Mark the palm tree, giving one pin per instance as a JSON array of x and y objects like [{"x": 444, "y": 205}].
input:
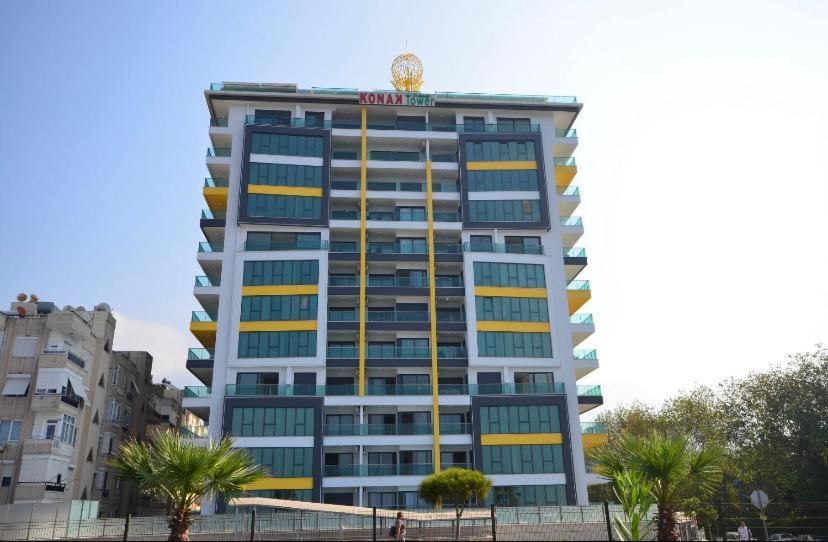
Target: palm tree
[
  {"x": 172, "y": 469},
  {"x": 671, "y": 464}
]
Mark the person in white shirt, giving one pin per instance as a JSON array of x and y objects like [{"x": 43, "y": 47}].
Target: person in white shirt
[{"x": 744, "y": 532}]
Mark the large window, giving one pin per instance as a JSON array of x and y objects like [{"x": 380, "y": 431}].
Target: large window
[
  {"x": 286, "y": 145},
  {"x": 278, "y": 273},
  {"x": 512, "y": 275},
  {"x": 277, "y": 344},
  {"x": 272, "y": 422},
  {"x": 499, "y": 150},
  {"x": 512, "y": 309},
  {"x": 504, "y": 210},
  {"x": 68, "y": 430},
  {"x": 513, "y": 345},
  {"x": 285, "y": 175},
  {"x": 523, "y": 459},
  {"x": 284, "y": 462},
  {"x": 278, "y": 307},
  {"x": 272, "y": 206},
  {"x": 554, "y": 495},
  {"x": 522, "y": 419},
  {"x": 509, "y": 179},
  {"x": 10, "y": 430}
]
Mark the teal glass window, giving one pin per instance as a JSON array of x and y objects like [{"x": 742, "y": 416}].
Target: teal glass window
[
  {"x": 278, "y": 273},
  {"x": 395, "y": 156},
  {"x": 286, "y": 145},
  {"x": 287, "y": 494},
  {"x": 277, "y": 344},
  {"x": 504, "y": 210},
  {"x": 552, "y": 495},
  {"x": 510, "y": 180},
  {"x": 285, "y": 175},
  {"x": 260, "y": 308},
  {"x": 272, "y": 422},
  {"x": 513, "y": 345},
  {"x": 274, "y": 206},
  {"x": 511, "y": 275},
  {"x": 520, "y": 419},
  {"x": 284, "y": 462},
  {"x": 488, "y": 151},
  {"x": 523, "y": 459},
  {"x": 511, "y": 309}
]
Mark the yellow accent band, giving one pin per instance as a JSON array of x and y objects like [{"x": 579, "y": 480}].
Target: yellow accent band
[
  {"x": 289, "y": 289},
  {"x": 279, "y": 325},
  {"x": 204, "y": 326},
  {"x": 432, "y": 305},
  {"x": 564, "y": 175},
  {"x": 363, "y": 242},
  {"x": 508, "y": 439},
  {"x": 502, "y": 291},
  {"x": 593, "y": 440},
  {"x": 518, "y": 327},
  {"x": 284, "y": 190},
  {"x": 216, "y": 197},
  {"x": 205, "y": 332},
  {"x": 281, "y": 483},
  {"x": 576, "y": 299},
  {"x": 501, "y": 164}
]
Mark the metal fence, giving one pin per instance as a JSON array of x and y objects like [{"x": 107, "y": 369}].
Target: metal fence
[
  {"x": 504, "y": 523},
  {"x": 807, "y": 521}
]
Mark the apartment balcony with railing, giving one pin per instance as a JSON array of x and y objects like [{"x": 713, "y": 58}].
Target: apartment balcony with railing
[
  {"x": 399, "y": 187},
  {"x": 577, "y": 294},
  {"x": 581, "y": 325},
  {"x": 589, "y": 396}
]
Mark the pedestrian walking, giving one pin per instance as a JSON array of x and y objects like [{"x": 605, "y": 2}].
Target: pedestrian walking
[{"x": 744, "y": 532}]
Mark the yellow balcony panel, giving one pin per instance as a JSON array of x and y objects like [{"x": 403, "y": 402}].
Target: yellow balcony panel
[
  {"x": 508, "y": 439},
  {"x": 284, "y": 190},
  {"x": 289, "y": 289},
  {"x": 501, "y": 164},
  {"x": 564, "y": 175},
  {"x": 282, "y": 325},
  {"x": 501, "y": 291},
  {"x": 593, "y": 440},
  {"x": 576, "y": 299},
  {"x": 205, "y": 332},
  {"x": 216, "y": 197},
  {"x": 281, "y": 483},
  {"x": 518, "y": 327}
]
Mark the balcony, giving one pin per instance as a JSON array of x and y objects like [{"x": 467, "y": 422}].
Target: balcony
[
  {"x": 200, "y": 363},
  {"x": 207, "y": 247},
  {"x": 52, "y": 402},
  {"x": 194, "y": 431},
  {"x": 218, "y": 152},
  {"x": 582, "y": 326},
  {"x": 207, "y": 293},
  {"x": 577, "y": 294},
  {"x": 215, "y": 193},
  {"x": 594, "y": 434},
  {"x": 569, "y": 197},
  {"x": 416, "y": 187},
  {"x": 197, "y": 391},
  {"x": 585, "y": 354},
  {"x": 390, "y": 251},
  {"x": 497, "y": 248},
  {"x": 203, "y": 326},
  {"x": 565, "y": 170},
  {"x": 69, "y": 323},
  {"x": 286, "y": 245},
  {"x": 273, "y": 390},
  {"x": 393, "y": 216},
  {"x": 575, "y": 260},
  {"x": 378, "y": 429},
  {"x": 589, "y": 397},
  {"x": 405, "y": 469},
  {"x": 202, "y": 281},
  {"x": 62, "y": 358},
  {"x": 42, "y": 445},
  {"x": 220, "y": 122}
]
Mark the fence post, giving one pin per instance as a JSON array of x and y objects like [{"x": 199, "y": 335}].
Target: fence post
[
  {"x": 252, "y": 525},
  {"x": 494, "y": 524},
  {"x": 374, "y": 531},
  {"x": 607, "y": 518},
  {"x": 126, "y": 527}
]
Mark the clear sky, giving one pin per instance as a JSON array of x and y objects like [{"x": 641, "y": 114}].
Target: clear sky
[{"x": 701, "y": 159}]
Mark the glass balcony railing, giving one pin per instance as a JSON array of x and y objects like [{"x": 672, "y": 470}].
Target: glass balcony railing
[
  {"x": 212, "y": 182},
  {"x": 268, "y": 120},
  {"x": 445, "y": 466},
  {"x": 401, "y": 282},
  {"x": 218, "y": 121},
  {"x": 578, "y": 285},
  {"x": 499, "y": 248},
  {"x": 589, "y": 390},
  {"x": 404, "y": 469},
  {"x": 206, "y": 246},
  {"x": 202, "y": 281},
  {"x": 76, "y": 360},
  {"x": 571, "y": 190},
  {"x": 194, "y": 431},
  {"x": 398, "y": 389},
  {"x": 563, "y": 132},
  {"x": 197, "y": 391},
  {"x": 445, "y": 158},
  {"x": 584, "y": 318},
  {"x": 396, "y": 316},
  {"x": 378, "y": 429},
  {"x": 593, "y": 428},
  {"x": 376, "y": 247},
  {"x": 450, "y": 428},
  {"x": 351, "y": 280},
  {"x": 344, "y": 246},
  {"x": 585, "y": 354},
  {"x": 574, "y": 252},
  {"x": 571, "y": 221},
  {"x": 201, "y": 316},
  {"x": 345, "y": 215},
  {"x": 269, "y": 390},
  {"x": 200, "y": 353},
  {"x": 343, "y": 316},
  {"x": 447, "y": 217},
  {"x": 449, "y": 282},
  {"x": 391, "y": 352},
  {"x": 395, "y": 186},
  {"x": 507, "y": 388},
  {"x": 317, "y": 244},
  {"x": 207, "y": 214},
  {"x": 564, "y": 160},
  {"x": 221, "y": 152}
]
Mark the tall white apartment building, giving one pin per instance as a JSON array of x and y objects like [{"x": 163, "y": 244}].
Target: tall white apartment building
[{"x": 392, "y": 287}]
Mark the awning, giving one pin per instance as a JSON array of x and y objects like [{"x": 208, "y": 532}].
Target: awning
[
  {"x": 78, "y": 386},
  {"x": 16, "y": 384},
  {"x": 51, "y": 380}
]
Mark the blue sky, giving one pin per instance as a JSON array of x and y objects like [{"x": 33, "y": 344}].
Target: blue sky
[{"x": 701, "y": 157}]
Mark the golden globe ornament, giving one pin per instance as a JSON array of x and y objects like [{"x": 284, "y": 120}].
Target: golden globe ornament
[{"x": 407, "y": 73}]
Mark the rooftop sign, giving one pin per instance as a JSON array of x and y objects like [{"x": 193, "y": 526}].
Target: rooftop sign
[{"x": 396, "y": 98}]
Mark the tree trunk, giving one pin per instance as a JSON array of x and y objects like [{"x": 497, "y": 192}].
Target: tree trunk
[
  {"x": 179, "y": 523},
  {"x": 667, "y": 523},
  {"x": 458, "y": 513}
]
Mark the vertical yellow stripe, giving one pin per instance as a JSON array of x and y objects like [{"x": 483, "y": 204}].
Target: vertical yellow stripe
[
  {"x": 363, "y": 242},
  {"x": 432, "y": 304}
]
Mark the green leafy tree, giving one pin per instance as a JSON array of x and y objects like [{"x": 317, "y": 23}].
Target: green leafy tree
[
  {"x": 634, "y": 493},
  {"x": 455, "y": 486},
  {"x": 671, "y": 464},
  {"x": 172, "y": 469}
]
